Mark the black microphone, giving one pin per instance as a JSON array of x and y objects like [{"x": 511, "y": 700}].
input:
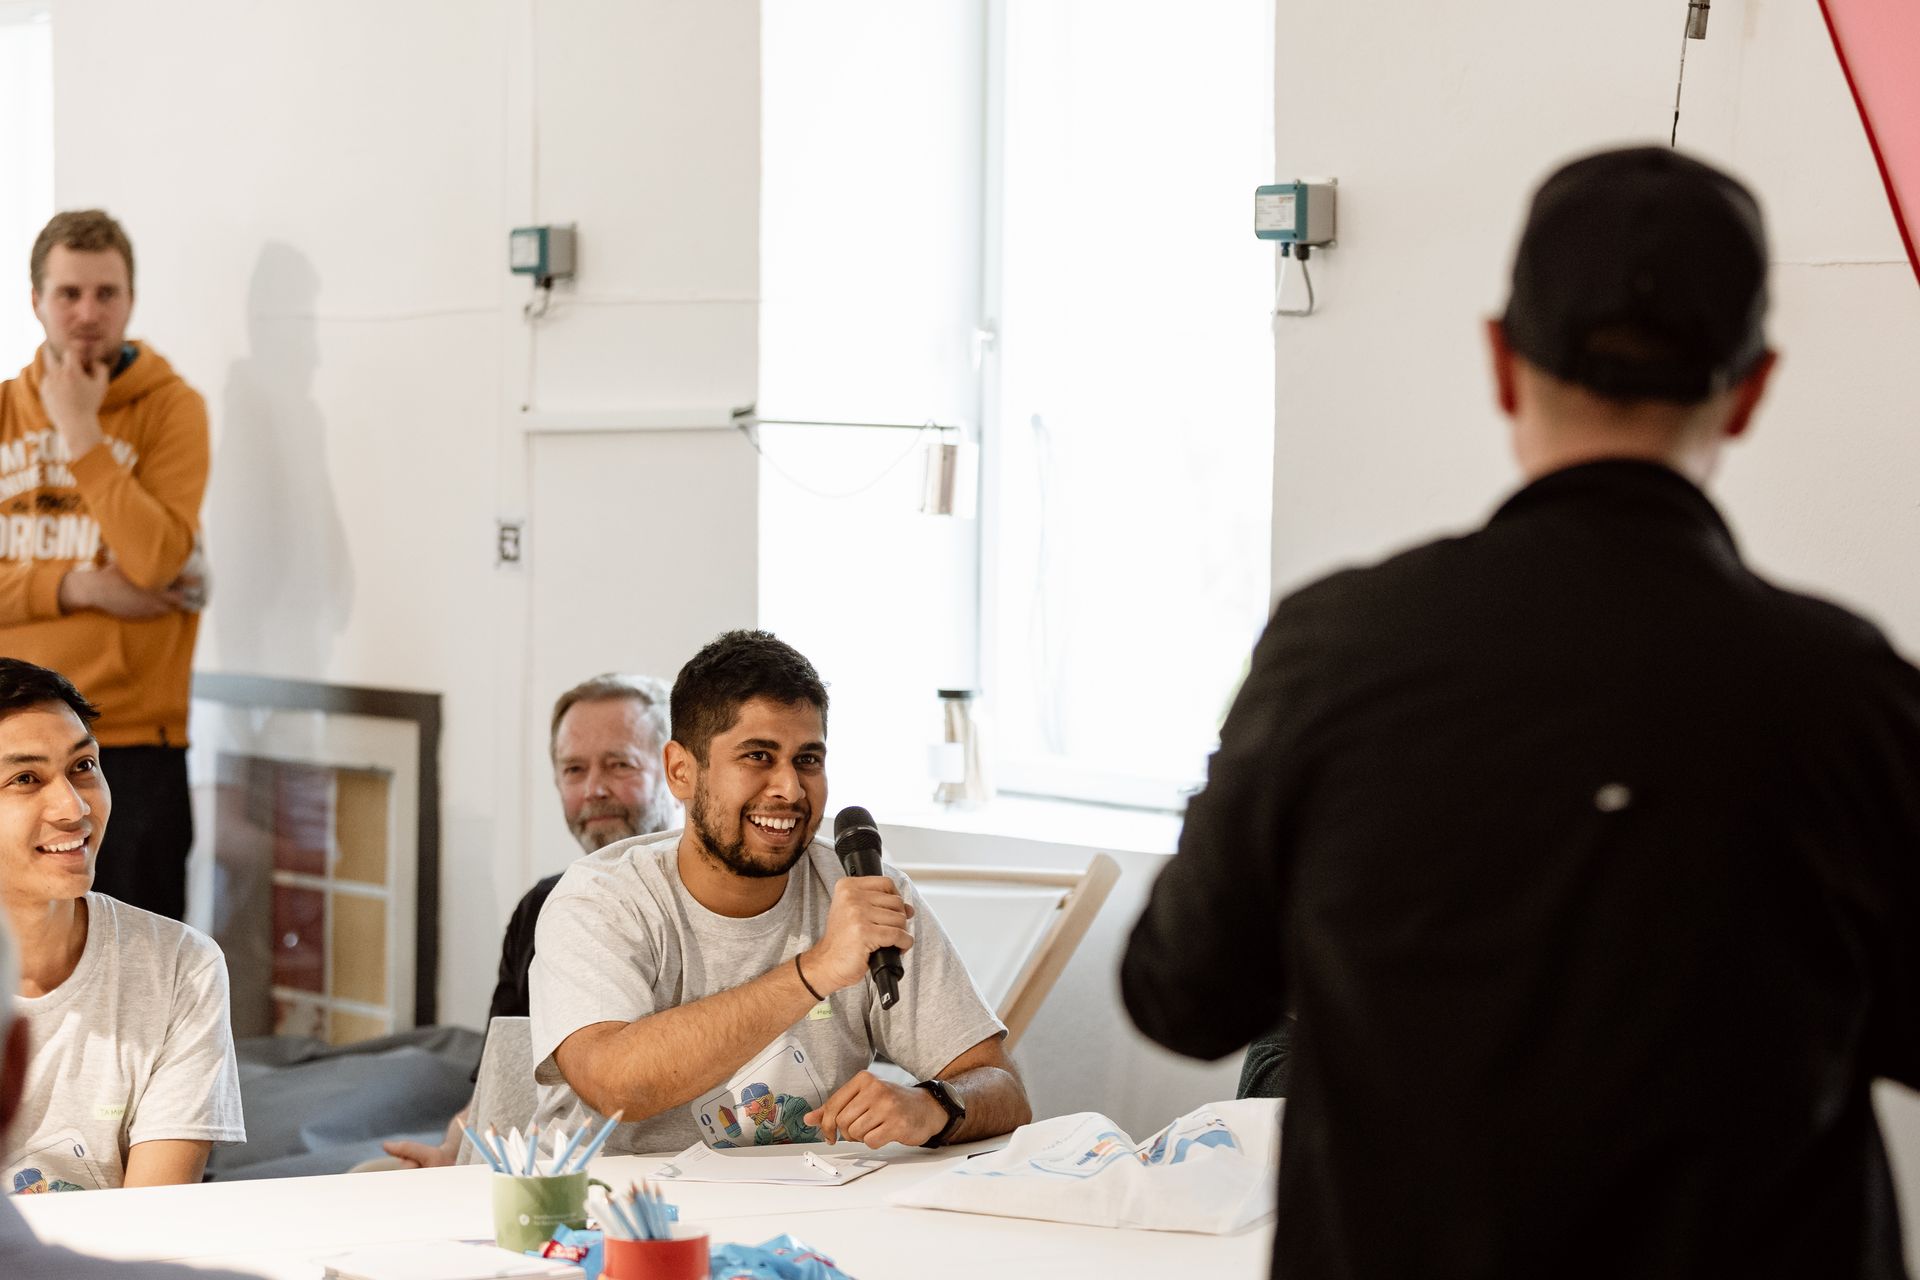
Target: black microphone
[{"x": 856, "y": 840}]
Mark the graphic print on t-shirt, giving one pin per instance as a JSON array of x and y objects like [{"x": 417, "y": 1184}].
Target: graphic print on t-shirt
[
  {"x": 764, "y": 1103},
  {"x": 54, "y": 1166}
]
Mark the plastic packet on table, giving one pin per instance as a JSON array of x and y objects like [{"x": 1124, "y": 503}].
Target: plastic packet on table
[
  {"x": 781, "y": 1258},
  {"x": 584, "y": 1249}
]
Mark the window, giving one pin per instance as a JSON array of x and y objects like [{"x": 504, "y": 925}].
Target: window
[
  {"x": 1132, "y": 426},
  {"x": 26, "y": 158},
  {"x": 1032, "y": 222},
  {"x": 870, "y": 278}
]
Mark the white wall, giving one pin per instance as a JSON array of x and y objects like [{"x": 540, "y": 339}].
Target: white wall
[
  {"x": 643, "y": 544},
  {"x": 319, "y": 195},
  {"x": 1438, "y": 131},
  {"x": 1386, "y": 431}
]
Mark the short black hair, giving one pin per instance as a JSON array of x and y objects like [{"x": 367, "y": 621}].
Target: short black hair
[
  {"x": 731, "y": 670},
  {"x": 23, "y": 685}
]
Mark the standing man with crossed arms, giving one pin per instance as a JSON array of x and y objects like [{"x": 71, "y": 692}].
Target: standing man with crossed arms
[{"x": 103, "y": 462}]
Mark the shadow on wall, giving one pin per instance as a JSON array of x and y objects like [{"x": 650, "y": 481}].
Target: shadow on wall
[{"x": 284, "y": 582}]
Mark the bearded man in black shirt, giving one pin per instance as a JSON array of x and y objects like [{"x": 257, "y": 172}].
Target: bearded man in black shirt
[{"x": 1585, "y": 857}]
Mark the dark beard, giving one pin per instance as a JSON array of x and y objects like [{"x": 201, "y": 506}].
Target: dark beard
[{"x": 732, "y": 856}]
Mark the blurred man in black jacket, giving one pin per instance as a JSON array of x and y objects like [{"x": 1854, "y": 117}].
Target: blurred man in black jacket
[{"x": 1585, "y": 857}]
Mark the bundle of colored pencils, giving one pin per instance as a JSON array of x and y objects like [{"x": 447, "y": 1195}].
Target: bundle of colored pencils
[
  {"x": 521, "y": 1156},
  {"x": 640, "y": 1213}
]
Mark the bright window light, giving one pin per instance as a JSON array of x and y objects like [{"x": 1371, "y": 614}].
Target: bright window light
[
  {"x": 26, "y": 158},
  {"x": 1032, "y": 221},
  {"x": 870, "y": 234},
  {"x": 1131, "y": 486}
]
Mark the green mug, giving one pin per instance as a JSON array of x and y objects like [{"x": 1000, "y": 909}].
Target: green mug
[{"x": 526, "y": 1209}]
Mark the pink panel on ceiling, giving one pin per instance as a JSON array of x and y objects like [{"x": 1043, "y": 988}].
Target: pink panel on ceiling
[{"x": 1879, "y": 46}]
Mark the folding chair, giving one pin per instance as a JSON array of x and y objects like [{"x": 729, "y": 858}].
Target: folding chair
[
  {"x": 1016, "y": 927},
  {"x": 504, "y": 1095}
]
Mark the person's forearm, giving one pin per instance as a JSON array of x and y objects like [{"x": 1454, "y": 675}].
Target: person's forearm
[
  {"x": 150, "y": 530},
  {"x": 995, "y": 1100},
  {"x": 148, "y": 521},
  {"x": 668, "y": 1059},
  {"x": 1202, "y": 971},
  {"x": 166, "y": 1162},
  {"x": 29, "y": 591},
  {"x": 1200, "y": 975}
]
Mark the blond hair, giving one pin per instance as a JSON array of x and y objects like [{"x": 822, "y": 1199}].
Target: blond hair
[
  {"x": 650, "y": 693},
  {"x": 83, "y": 231}
]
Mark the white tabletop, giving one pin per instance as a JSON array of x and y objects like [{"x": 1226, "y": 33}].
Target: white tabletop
[{"x": 276, "y": 1228}]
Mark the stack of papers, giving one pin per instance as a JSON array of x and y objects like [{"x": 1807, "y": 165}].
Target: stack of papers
[
  {"x": 442, "y": 1260},
  {"x": 787, "y": 1165}
]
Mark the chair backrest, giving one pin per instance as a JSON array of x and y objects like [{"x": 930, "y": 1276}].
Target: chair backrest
[
  {"x": 1016, "y": 927},
  {"x": 503, "y": 1095}
]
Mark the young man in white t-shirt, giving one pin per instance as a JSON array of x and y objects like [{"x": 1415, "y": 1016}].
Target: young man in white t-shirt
[
  {"x": 21, "y": 1254},
  {"x": 712, "y": 982},
  {"x": 130, "y": 1077}
]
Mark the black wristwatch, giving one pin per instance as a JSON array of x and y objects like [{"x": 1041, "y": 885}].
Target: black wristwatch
[{"x": 949, "y": 1103}]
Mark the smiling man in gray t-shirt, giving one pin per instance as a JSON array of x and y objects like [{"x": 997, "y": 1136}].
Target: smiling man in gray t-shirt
[{"x": 712, "y": 983}]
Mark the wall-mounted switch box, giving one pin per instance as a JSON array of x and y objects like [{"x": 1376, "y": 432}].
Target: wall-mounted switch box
[
  {"x": 545, "y": 253},
  {"x": 508, "y": 540},
  {"x": 1294, "y": 212}
]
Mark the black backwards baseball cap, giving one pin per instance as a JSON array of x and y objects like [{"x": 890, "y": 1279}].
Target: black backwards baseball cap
[{"x": 1641, "y": 275}]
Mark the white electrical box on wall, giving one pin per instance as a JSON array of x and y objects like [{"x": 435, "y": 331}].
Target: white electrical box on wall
[
  {"x": 1297, "y": 212},
  {"x": 545, "y": 253}
]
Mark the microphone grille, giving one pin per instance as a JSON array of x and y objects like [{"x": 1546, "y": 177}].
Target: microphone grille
[{"x": 852, "y": 818}]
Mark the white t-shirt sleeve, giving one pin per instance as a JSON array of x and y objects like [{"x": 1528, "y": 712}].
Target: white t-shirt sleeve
[
  {"x": 193, "y": 1091},
  {"x": 589, "y": 966}
]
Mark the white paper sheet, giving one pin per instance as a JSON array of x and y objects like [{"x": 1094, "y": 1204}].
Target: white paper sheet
[
  {"x": 794, "y": 1165},
  {"x": 440, "y": 1260}
]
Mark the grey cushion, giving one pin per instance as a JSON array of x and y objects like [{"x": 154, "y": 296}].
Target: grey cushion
[{"x": 315, "y": 1108}]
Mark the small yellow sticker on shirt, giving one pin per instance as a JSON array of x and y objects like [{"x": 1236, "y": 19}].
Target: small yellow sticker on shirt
[{"x": 820, "y": 1012}]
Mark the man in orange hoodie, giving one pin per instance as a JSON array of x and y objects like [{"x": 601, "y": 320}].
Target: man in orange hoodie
[{"x": 103, "y": 461}]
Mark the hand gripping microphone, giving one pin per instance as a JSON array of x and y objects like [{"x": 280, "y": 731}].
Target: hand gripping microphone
[{"x": 856, "y": 840}]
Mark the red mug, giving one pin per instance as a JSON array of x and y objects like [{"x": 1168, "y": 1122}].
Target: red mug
[{"x": 684, "y": 1257}]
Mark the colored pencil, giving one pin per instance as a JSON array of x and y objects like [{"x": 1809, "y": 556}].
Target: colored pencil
[
  {"x": 560, "y": 1160},
  {"x": 486, "y": 1153},
  {"x": 593, "y": 1148}
]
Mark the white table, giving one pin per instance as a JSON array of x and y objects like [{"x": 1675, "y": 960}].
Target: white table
[{"x": 276, "y": 1228}]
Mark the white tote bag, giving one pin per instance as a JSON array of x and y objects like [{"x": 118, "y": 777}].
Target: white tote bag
[{"x": 1212, "y": 1170}]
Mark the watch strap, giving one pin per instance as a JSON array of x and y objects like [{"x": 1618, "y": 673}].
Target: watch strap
[{"x": 956, "y": 1113}]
